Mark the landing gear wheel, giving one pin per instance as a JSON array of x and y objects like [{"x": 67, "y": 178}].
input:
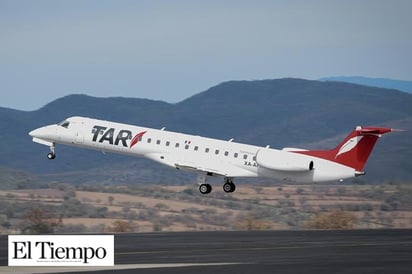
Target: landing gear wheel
[
  {"x": 205, "y": 188},
  {"x": 51, "y": 156},
  {"x": 229, "y": 187}
]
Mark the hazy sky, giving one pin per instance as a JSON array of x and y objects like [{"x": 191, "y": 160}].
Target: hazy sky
[{"x": 170, "y": 50}]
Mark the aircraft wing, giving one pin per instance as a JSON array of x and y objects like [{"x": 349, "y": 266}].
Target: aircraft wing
[
  {"x": 222, "y": 169},
  {"x": 217, "y": 168},
  {"x": 189, "y": 167}
]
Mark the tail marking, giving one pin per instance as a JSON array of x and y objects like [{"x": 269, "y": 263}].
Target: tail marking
[
  {"x": 354, "y": 150},
  {"x": 349, "y": 145}
]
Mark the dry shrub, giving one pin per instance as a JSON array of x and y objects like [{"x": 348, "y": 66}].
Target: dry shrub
[
  {"x": 250, "y": 222},
  {"x": 337, "y": 219},
  {"x": 120, "y": 226}
]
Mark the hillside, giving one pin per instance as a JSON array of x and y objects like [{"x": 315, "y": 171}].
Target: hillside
[
  {"x": 181, "y": 208},
  {"x": 282, "y": 112},
  {"x": 405, "y": 86}
]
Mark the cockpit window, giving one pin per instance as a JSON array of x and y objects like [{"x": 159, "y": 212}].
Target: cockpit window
[{"x": 64, "y": 124}]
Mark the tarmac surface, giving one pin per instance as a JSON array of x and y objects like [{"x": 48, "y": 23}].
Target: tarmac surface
[{"x": 350, "y": 251}]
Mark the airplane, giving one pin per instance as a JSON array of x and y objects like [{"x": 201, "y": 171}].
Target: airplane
[{"x": 213, "y": 157}]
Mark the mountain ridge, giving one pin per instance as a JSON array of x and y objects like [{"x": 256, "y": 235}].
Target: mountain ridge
[
  {"x": 402, "y": 85},
  {"x": 279, "y": 112}
]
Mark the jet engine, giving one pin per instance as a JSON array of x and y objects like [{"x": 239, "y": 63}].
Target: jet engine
[{"x": 284, "y": 160}]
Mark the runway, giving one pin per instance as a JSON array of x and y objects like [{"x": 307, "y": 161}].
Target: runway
[{"x": 352, "y": 251}]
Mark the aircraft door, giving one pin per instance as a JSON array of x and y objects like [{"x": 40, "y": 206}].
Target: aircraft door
[{"x": 79, "y": 136}]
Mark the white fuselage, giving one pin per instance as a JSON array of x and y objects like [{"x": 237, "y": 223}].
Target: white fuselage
[{"x": 201, "y": 154}]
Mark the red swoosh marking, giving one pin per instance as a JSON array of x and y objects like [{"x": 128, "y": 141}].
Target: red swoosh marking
[{"x": 136, "y": 138}]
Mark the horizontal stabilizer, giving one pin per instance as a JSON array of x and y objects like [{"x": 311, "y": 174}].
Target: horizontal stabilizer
[{"x": 372, "y": 130}]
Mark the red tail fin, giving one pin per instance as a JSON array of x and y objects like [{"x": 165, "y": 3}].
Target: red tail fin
[{"x": 354, "y": 150}]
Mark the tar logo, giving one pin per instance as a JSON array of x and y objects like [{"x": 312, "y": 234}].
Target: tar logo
[{"x": 122, "y": 136}]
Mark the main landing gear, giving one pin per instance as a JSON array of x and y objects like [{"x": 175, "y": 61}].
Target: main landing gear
[
  {"x": 229, "y": 186},
  {"x": 51, "y": 155},
  {"x": 206, "y": 188}
]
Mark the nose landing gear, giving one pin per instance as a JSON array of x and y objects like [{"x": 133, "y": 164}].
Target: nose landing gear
[{"x": 51, "y": 155}]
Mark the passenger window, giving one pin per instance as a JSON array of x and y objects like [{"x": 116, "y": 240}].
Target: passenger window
[
  {"x": 245, "y": 156},
  {"x": 216, "y": 151},
  {"x": 226, "y": 153},
  {"x": 186, "y": 146},
  {"x": 177, "y": 145},
  {"x": 167, "y": 143},
  {"x": 158, "y": 142},
  {"x": 207, "y": 150},
  {"x": 196, "y": 148},
  {"x": 149, "y": 140},
  {"x": 235, "y": 155}
]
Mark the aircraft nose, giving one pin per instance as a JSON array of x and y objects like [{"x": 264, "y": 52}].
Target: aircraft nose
[
  {"x": 40, "y": 132},
  {"x": 34, "y": 132}
]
